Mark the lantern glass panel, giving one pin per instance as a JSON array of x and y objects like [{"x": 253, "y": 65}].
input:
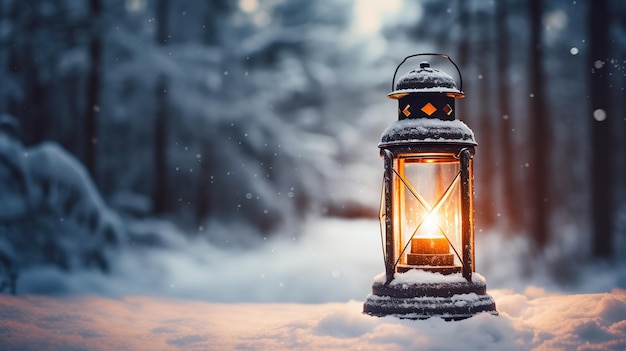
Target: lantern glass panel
[{"x": 428, "y": 193}]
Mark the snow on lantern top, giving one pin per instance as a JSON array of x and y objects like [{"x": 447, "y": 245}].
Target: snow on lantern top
[
  {"x": 426, "y": 93},
  {"x": 426, "y": 80},
  {"x": 423, "y": 131},
  {"x": 426, "y": 111}
]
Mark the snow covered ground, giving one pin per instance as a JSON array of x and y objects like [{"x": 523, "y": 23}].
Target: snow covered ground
[
  {"x": 533, "y": 320},
  {"x": 330, "y": 260},
  {"x": 303, "y": 291}
]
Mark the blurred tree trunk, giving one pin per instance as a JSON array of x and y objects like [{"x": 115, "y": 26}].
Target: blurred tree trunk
[
  {"x": 211, "y": 37},
  {"x": 12, "y": 69},
  {"x": 93, "y": 91},
  {"x": 484, "y": 196},
  {"x": 539, "y": 130},
  {"x": 511, "y": 209},
  {"x": 160, "y": 192},
  {"x": 463, "y": 49},
  {"x": 5, "y": 61},
  {"x": 601, "y": 138},
  {"x": 204, "y": 205},
  {"x": 31, "y": 109},
  {"x": 26, "y": 105}
]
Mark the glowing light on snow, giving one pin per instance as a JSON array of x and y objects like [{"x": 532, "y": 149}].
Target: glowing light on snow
[
  {"x": 554, "y": 23},
  {"x": 555, "y": 20},
  {"x": 135, "y": 5},
  {"x": 573, "y": 51},
  {"x": 599, "y": 115},
  {"x": 248, "y": 6},
  {"x": 88, "y": 323},
  {"x": 368, "y": 15},
  {"x": 258, "y": 14}
]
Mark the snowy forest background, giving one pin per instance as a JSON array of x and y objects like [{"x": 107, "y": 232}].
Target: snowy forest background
[{"x": 220, "y": 128}]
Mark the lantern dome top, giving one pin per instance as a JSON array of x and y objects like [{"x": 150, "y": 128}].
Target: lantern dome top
[{"x": 426, "y": 80}]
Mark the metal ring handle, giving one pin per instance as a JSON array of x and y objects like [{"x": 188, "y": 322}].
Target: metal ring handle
[{"x": 393, "y": 80}]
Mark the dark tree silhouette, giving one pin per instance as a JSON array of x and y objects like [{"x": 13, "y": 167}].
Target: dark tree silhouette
[
  {"x": 539, "y": 129},
  {"x": 485, "y": 131},
  {"x": 160, "y": 191},
  {"x": 463, "y": 47},
  {"x": 601, "y": 135},
  {"x": 507, "y": 159},
  {"x": 205, "y": 190},
  {"x": 92, "y": 107}
]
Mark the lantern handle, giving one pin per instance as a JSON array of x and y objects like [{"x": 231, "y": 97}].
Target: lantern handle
[{"x": 393, "y": 80}]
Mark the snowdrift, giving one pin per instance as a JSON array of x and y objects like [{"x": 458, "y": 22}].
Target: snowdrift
[
  {"x": 50, "y": 211},
  {"x": 533, "y": 320}
]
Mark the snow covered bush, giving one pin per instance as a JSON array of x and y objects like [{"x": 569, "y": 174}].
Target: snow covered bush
[{"x": 50, "y": 210}]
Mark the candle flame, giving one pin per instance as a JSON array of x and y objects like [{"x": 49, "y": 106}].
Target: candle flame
[{"x": 430, "y": 227}]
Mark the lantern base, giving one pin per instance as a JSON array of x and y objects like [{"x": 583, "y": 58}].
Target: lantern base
[
  {"x": 435, "y": 269},
  {"x": 453, "y": 300}
]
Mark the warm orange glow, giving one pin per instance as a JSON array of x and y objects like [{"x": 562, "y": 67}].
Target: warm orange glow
[
  {"x": 428, "y": 205},
  {"x": 430, "y": 227},
  {"x": 150, "y": 323}
]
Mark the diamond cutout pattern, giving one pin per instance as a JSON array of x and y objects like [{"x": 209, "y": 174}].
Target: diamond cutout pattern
[
  {"x": 407, "y": 111},
  {"x": 429, "y": 109},
  {"x": 447, "y": 109}
]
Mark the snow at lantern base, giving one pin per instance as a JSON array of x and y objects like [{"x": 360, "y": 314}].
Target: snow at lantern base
[{"x": 533, "y": 319}]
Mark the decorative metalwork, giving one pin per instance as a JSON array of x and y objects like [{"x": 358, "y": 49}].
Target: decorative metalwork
[
  {"x": 429, "y": 109},
  {"x": 406, "y": 110}
]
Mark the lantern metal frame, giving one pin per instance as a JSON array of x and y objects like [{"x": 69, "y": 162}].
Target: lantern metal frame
[
  {"x": 426, "y": 136},
  {"x": 392, "y": 259}
]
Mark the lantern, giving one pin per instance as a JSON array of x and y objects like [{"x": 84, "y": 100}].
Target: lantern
[{"x": 426, "y": 213}]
